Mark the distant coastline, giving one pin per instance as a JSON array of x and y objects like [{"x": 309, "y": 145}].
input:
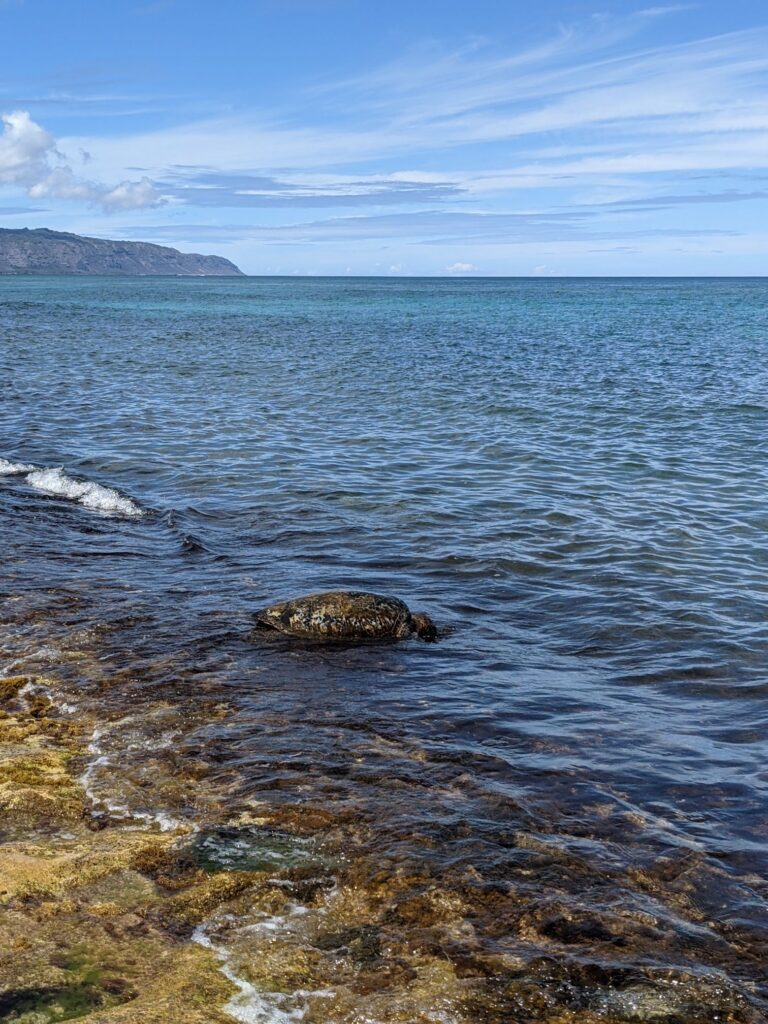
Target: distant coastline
[{"x": 43, "y": 251}]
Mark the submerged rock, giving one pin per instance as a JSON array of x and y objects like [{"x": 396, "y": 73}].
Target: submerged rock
[
  {"x": 346, "y": 615},
  {"x": 250, "y": 848}
]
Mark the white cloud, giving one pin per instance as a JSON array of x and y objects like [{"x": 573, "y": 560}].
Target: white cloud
[
  {"x": 61, "y": 183},
  {"x": 131, "y": 195},
  {"x": 461, "y": 268},
  {"x": 30, "y": 159},
  {"x": 25, "y": 148}
]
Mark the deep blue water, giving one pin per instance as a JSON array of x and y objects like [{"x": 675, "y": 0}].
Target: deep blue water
[{"x": 570, "y": 476}]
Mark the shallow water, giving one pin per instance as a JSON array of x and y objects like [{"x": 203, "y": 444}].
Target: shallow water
[{"x": 569, "y": 476}]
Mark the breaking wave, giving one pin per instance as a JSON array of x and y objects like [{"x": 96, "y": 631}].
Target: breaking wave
[
  {"x": 54, "y": 481},
  {"x": 14, "y": 468}
]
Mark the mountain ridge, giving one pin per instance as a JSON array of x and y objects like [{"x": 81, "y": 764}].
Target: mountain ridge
[{"x": 45, "y": 251}]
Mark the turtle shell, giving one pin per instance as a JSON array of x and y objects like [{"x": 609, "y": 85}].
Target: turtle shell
[{"x": 340, "y": 615}]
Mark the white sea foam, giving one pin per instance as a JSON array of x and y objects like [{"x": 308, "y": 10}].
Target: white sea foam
[
  {"x": 19, "y": 666},
  {"x": 249, "y": 1005},
  {"x": 61, "y": 705},
  {"x": 165, "y": 822},
  {"x": 272, "y": 923},
  {"x": 97, "y": 497},
  {"x": 86, "y": 493},
  {"x": 14, "y": 468},
  {"x": 99, "y": 759}
]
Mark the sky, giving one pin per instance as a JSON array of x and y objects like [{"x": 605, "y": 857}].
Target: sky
[{"x": 428, "y": 137}]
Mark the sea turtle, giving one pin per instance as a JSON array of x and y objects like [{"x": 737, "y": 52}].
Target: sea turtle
[{"x": 346, "y": 615}]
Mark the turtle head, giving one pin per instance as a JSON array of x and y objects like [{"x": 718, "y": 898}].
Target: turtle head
[
  {"x": 424, "y": 626},
  {"x": 268, "y": 618}
]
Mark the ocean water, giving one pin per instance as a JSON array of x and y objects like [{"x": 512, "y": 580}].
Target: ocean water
[{"x": 569, "y": 476}]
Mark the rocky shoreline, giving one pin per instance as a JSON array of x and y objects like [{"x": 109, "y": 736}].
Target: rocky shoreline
[
  {"x": 87, "y": 925},
  {"x": 113, "y": 920},
  {"x": 139, "y": 886}
]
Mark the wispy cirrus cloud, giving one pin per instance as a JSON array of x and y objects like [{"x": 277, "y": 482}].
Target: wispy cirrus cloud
[
  {"x": 575, "y": 81},
  {"x": 209, "y": 188},
  {"x": 662, "y": 11},
  {"x": 699, "y": 105},
  {"x": 431, "y": 228},
  {"x": 20, "y": 211},
  {"x": 663, "y": 202}
]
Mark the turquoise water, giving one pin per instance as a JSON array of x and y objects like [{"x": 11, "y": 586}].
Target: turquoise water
[{"x": 570, "y": 476}]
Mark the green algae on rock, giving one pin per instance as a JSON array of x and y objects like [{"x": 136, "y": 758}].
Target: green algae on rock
[{"x": 76, "y": 939}]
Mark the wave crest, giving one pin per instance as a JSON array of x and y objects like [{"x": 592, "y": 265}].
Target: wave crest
[
  {"x": 90, "y": 495},
  {"x": 14, "y": 468}
]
